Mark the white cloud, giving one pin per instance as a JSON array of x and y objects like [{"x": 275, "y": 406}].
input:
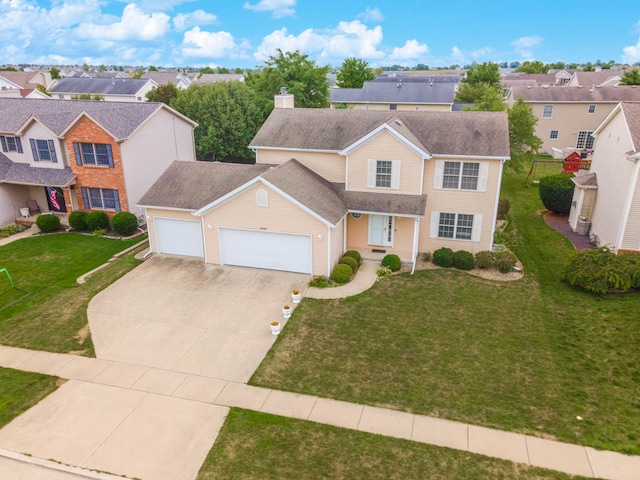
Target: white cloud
[
  {"x": 348, "y": 39},
  {"x": 197, "y": 43},
  {"x": 184, "y": 21},
  {"x": 134, "y": 25},
  {"x": 278, "y": 8},
  {"x": 631, "y": 53},
  {"x": 371, "y": 15},
  {"x": 457, "y": 56},
  {"x": 636, "y": 27},
  {"x": 412, "y": 50},
  {"x": 524, "y": 46}
]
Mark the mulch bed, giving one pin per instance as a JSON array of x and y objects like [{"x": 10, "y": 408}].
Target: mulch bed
[{"x": 560, "y": 223}]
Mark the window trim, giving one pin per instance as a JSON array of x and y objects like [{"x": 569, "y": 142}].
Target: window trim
[
  {"x": 262, "y": 198},
  {"x": 587, "y": 142},
  {"x": 552, "y": 137},
  {"x": 80, "y": 161},
  {"x": 393, "y": 106},
  {"x": 481, "y": 182},
  {"x": 475, "y": 228},
  {"x": 544, "y": 111},
  {"x": 4, "y": 139},
  {"x": 372, "y": 174},
  {"x": 591, "y": 110},
  {"x": 35, "y": 150},
  {"x": 86, "y": 198}
]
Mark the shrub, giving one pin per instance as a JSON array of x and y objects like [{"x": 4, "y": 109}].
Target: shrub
[
  {"x": 355, "y": 254},
  {"x": 505, "y": 261},
  {"x": 97, "y": 221},
  {"x": 383, "y": 271},
  {"x": 99, "y": 232},
  {"x": 124, "y": 223},
  {"x": 503, "y": 208},
  {"x": 321, "y": 282},
  {"x": 392, "y": 261},
  {"x": 484, "y": 259},
  {"x": 463, "y": 260},
  {"x": 426, "y": 257},
  {"x": 352, "y": 262},
  {"x": 341, "y": 273},
  {"x": 48, "y": 223},
  {"x": 599, "y": 270},
  {"x": 11, "y": 230},
  {"x": 443, "y": 257},
  {"x": 556, "y": 192},
  {"x": 78, "y": 220}
]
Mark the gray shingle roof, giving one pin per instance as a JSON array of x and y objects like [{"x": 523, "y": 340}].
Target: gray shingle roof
[
  {"x": 577, "y": 94},
  {"x": 23, "y": 173},
  {"x": 420, "y": 78},
  {"x": 382, "y": 202},
  {"x": 390, "y": 92},
  {"x": 119, "y": 118},
  {"x": 596, "y": 78},
  {"x": 162, "y": 78},
  {"x": 441, "y": 133},
  {"x": 632, "y": 114},
  {"x": 100, "y": 86},
  {"x": 585, "y": 180}
]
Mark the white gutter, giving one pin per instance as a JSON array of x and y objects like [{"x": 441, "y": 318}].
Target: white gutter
[
  {"x": 495, "y": 209},
  {"x": 627, "y": 206}
]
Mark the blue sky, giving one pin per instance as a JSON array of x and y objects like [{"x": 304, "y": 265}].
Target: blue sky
[{"x": 244, "y": 33}]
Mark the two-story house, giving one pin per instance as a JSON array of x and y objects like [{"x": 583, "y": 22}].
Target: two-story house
[
  {"x": 567, "y": 116},
  {"x": 326, "y": 181},
  {"x": 608, "y": 197},
  {"x": 106, "y": 88},
  {"x": 94, "y": 155}
]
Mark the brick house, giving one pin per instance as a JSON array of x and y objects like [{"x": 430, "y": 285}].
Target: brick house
[{"x": 93, "y": 155}]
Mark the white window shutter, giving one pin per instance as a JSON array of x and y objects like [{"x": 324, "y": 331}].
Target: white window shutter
[
  {"x": 434, "y": 225},
  {"x": 477, "y": 227},
  {"x": 371, "y": 176},
  {"x": 395, "y": 174},
  {"x": 483, "y": 175},
  {"x": 438, "y": 174}
]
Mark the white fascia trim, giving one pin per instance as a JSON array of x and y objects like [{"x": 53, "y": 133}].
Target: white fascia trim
[
  {"x": 627, "y": 206},
  {"x": 374, "y": 133},
  {"x": 224, "y": 198},
  {"x": 608, "y": 118},
  {"x": 386, "y": 214},
  {"x": 157, "y": 207},
  {"x": 255, "y": 148},
  {"x": 475, "y": 157}
]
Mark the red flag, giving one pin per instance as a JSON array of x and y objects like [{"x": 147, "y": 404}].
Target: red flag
[{"x": 52, "y": 198}]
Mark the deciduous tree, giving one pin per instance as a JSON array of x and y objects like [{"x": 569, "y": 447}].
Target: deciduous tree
[
  {"x": 522, "y": 139},
  {"x": 353, "y": 73},
  {"x": 631, "y": 77},
  {"x": 164, "y": 93}
]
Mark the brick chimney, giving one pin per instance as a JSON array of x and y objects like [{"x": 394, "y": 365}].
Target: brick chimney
[{"x": 283, "y": 99}]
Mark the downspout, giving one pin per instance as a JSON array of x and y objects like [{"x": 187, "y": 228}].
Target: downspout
[
  {"x": 416, "y": 230},
  {"x": 627, "y": 206},
  {"x": 495, "y": 209},
  {"x": 328, "y": 252}
]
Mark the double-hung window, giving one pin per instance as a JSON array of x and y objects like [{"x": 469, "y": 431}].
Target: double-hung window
[
  {"x": 95, "y": 154},
  {"x": 43, "y": 151},
  {"x": 384, "y": 174},
  {"x": 553, "y": 135},
  {"x": 547, "y": 111},
  {"x": 592, "y": 109},
  {"x": 585, "y": 140},
  {"x": 461, "y": 175},
  {"x": 11, "y": 144},
  {"x": 456, "y": 226},
  {"x": 101, "y": 199}
]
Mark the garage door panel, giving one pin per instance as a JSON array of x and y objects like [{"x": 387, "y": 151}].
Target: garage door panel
[
  {"x": 179, "y": 237},
  {"x": 260, "y": 249}
]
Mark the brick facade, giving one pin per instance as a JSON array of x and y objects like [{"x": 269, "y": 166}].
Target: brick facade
[{"x": 90, "y": 176}]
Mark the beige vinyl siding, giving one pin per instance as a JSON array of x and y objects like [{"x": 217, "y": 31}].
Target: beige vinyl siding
[
  {"x": 614, "y": 173},
  {"x": 403, "y": 234},
  {"x": 460, "y": 201},
  {"x": 328, "y": 165},
  {"x": 358, "y": 234},
  {"x": 384, "y": 146},
  {"x": 413, "y": 107},
  {"x": 281, "y": 216},
  {"x": 37, "y": 131},
  {"x": 153, "y": 213},
  {"x": 631, "y": 240},
  {"x": 568, "y": 119},
  {"x": 337, "y": 244}
]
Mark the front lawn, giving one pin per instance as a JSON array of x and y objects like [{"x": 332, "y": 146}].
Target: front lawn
[
  {"x": 256, "y": 445},
  {"x": 19, "y": 391},
  {"x": 47, "y": 309},
  {"x": 528, "y": 356}
]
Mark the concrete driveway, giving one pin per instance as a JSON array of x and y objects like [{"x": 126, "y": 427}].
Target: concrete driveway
[{"x": 180, "y": 314}]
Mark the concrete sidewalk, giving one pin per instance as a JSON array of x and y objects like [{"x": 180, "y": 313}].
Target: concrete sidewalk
[
  {"x": 147, "y": 390},
  {"x": 364, "y": 280}
]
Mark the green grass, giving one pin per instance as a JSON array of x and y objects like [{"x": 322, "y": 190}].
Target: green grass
[
  {"x": 256, "y": 445},
  {"x": 19, "y": 391},
  {"x": 526, "y": 356},
  {"x": 47, "y": 311}
]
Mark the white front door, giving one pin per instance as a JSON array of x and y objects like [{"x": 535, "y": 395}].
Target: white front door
[{"x": 381, "y": 230}]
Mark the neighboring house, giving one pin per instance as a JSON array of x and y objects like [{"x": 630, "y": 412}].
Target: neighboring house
[
  {"x": 109, "y": 89},
  {"x": 603, "y": 78},
  {"x": 327, "y": 181},
  {"x": 567, "y": 116},
  {"x": 23, "y": 84},
  {"x": 218, "y": 77},
  {"x": 180, "y": 80},
  {"x": 399, "y": 95},
  {"x": 96, "y": 155},
  {"x": 533, "y": 79},
  {"x": 608, "y": 197}
]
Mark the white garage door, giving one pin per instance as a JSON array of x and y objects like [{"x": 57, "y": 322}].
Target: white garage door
[
  {"x": 180, "y": 237},
  {"x": 259, "y": 249}
]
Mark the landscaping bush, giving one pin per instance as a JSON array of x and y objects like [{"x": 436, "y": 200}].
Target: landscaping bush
[
  {"x": 463, "y": 260},
  {"x": 352, "y": 262},
  {"x": 484, "y": 259},
  {"x": 341, "y": 273},
  {"x": 426, "y": 257},
  {"x": 599, "y": 270},
  {"x": 505, "y": 261},
  {"x": 11, "y": 230},
  {"x": 97, "y": 221},
  {"x": 503, "y": 208},
  {"x": 443, "y": 257},
  {"x": 355, "y": 254},
  {"x": 78, "y": 220},
  {"x": 48, "y": 223},
  {"x": 124, "y": 223},
  {"x": 321, "y": 282},
  {"x": 392, "y": 261},
  {"x": 556, "y": 192},
  {"x": 383, "y": 271}
]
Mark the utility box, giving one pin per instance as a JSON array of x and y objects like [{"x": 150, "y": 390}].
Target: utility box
[{"x": 583, "y": 226}]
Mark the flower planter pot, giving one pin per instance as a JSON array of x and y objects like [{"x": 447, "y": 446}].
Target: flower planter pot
[
  {"x": 286, "y": 312},
  {"x": 296, "y": 297},
  {"x": 275, "y": 329}
]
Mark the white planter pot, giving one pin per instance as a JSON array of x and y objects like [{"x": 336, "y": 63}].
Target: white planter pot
[
  {"x": 286, "y": 312},
  {"x": 296, "y": 297},
  {"x": 275, "y": 329}
]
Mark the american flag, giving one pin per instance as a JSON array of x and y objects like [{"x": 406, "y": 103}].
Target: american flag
[{"x": 52, "y": 198}]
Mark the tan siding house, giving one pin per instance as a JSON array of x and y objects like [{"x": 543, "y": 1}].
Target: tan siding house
[
  {"x": 326, "y": 181},
  {"x": 609, "y": 196}
]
